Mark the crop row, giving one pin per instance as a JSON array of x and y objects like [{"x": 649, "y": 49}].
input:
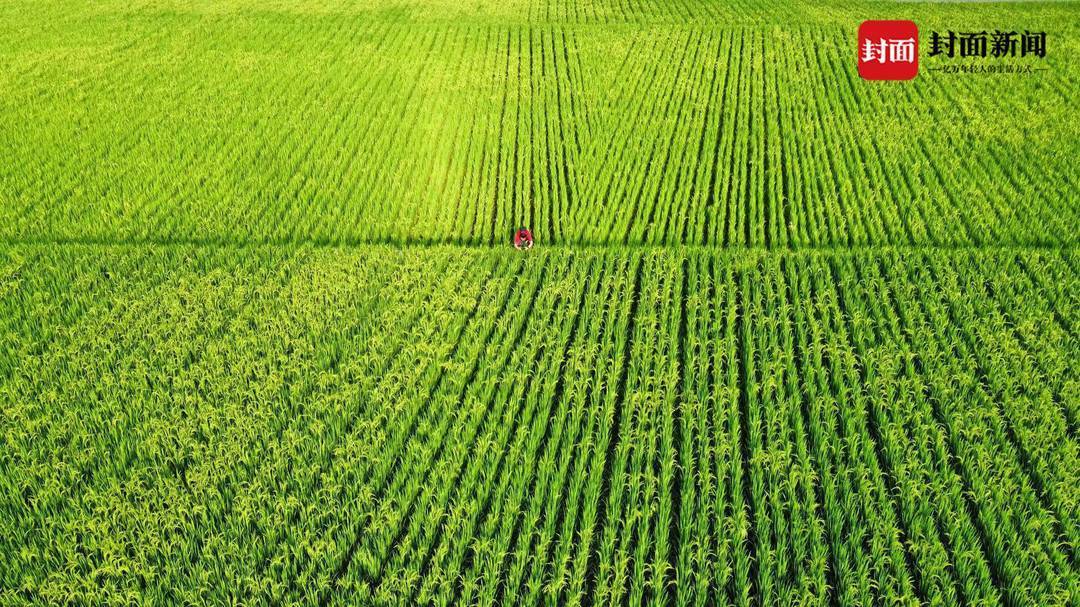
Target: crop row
[
  {"x": 344, "y": 128},
  {"x": 453, "y": 426}
]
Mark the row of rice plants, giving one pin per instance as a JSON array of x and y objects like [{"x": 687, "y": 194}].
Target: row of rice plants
[
  {"x": 791, "y": 544},
  {"x": 398, "y": 426},
  {"x": 528, "y": 381},
  {"x": 361, "y": 479},
  {"x": 558, "y": 524},
  {"x": 367, "y": 129},
  {"x": 934, "y": 503},
  {"x": 1027, "y": 560},
  {"x": 425, "y": 487},
  {"x": 1023, "y": 374}
]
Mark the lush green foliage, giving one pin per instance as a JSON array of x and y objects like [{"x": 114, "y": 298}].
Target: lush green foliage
[
  {"x": 787, "y": 337},
  {"x": 421, "y": 121},
  {"x": 380, "y": 425}
]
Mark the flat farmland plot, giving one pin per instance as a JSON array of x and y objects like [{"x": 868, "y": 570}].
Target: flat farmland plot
[
  {"x": 786, "y": 336},
  {"x": 365, "y": 425},
  {"x": 189, "y": 124}
]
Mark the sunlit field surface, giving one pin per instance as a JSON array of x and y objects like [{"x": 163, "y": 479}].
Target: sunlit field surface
[{"x": 786, "y": 336}]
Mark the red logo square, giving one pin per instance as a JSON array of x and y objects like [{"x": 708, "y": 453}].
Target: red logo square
[{"x": 888, "y": 50}]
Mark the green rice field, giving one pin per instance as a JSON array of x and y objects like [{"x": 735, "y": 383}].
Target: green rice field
[{"x": 786, "y": 337}]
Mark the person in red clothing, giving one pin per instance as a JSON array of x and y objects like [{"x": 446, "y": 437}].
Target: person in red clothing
[{"x": 523, "y": 239}]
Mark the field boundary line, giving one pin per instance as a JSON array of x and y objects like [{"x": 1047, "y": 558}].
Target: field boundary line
[{"x": 449, "y": 245}]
